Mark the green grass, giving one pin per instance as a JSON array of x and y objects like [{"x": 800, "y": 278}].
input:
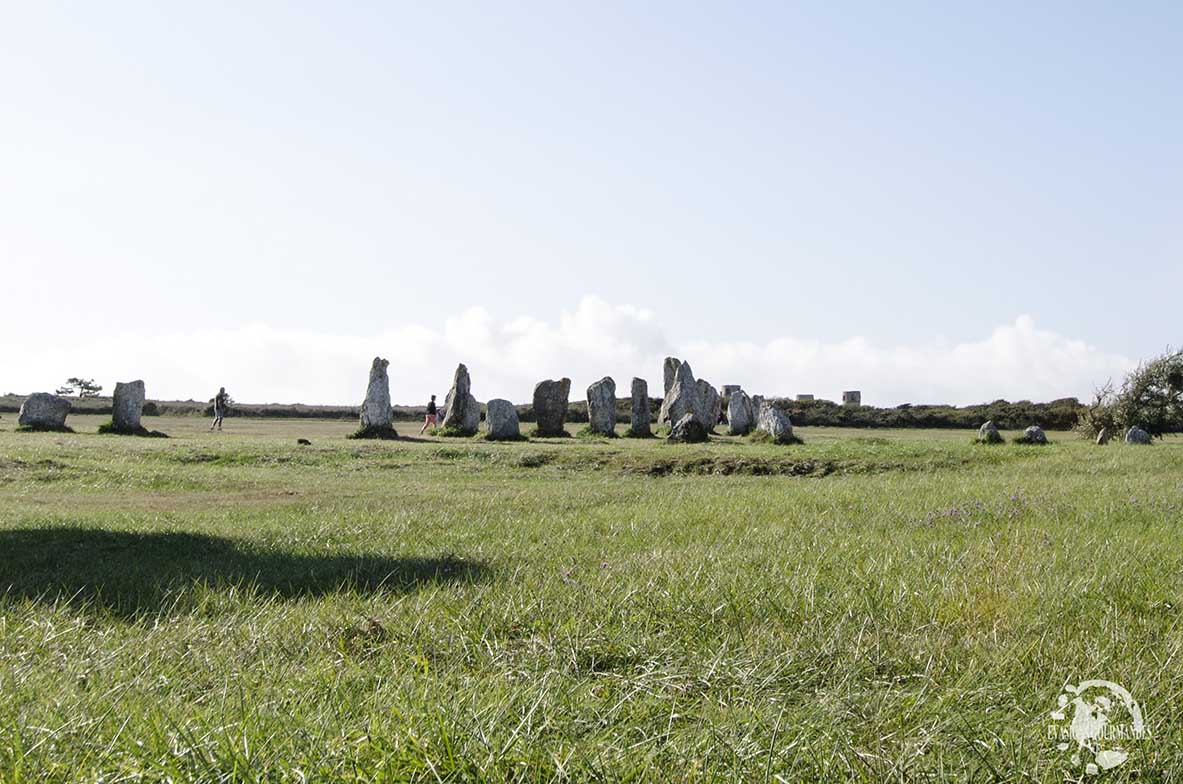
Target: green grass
[{"x": 868, "y": 606}]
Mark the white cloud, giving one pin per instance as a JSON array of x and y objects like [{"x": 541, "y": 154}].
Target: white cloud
[{"x": 261, "y": 364}]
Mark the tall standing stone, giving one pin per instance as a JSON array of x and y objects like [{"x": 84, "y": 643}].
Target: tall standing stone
[
  {"x": 550, "y": 407},
  {"x": 669, "y": 372},
  {"x": 43, "y": 411},
  {"x": 641, "y": 417},
  {"x": 683, "y": 398},
  {"x": 376, "y": 413},
  {"x": 601, "y": 407},
  {"x": 127, "y": 406},
  {"x": 740, "y": 419},
  {"x": 501, "y": 420},
  {"x": 462, "y": 413},
  {"x": 1103, "y": 437},
  {"x": 711, "y": 403}
]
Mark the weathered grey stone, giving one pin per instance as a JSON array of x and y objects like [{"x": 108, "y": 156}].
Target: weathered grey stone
[
  {"x": 683, "y": 397},
  {"x": 639, "y": 424},
  {"x": 669, "y": 371},
  {"x": 550, "y": 407},
  {"x": 457, "y": 417},
  {"x": 988, "y": 433},
  {"x": 1103, "y": 437},
  {"x": 1136, "y": 435},
  {"x": 775, "y": 423},
  {"x": 710, "y": 402},
  {"x": 740, "y": 420},
  {"x": 375, "y": 410},
  {"x": 501, "y": 421},
  {"x": 757, "y": 401},
  {"x": 1034, "y": 435},
  {"x": 601, "y": 407},
  {"x": 472, "y": 416},
  {"x": 688, "y": 430},
  {"x": 43, "y": 410},
  {"x": 127, "y": 406}
]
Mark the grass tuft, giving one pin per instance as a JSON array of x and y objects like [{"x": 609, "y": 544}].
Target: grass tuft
[{"x": 387, "y": 433}]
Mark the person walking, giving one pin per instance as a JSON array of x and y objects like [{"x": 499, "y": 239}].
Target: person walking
[
  {"x": 221, "y": 402},
  {"x": 430, "y": 419}
]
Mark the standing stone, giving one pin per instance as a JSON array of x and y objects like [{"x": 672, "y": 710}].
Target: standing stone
[
  {"x": 43, "y": 411},
  {"x": 639, "y": 423},
  {"x": 472, "y": 416},
  {"x": 688, "y": 430},
  {"x": 375, "y": 410},
  {"x": 601, "y": 407},
  {"x": 669, "y": 372},
  {"x": 708, "y": 398},
  {"x": 550, "y": 407},
  {"x": 683, "y": 397},
  {"x": 462, "y": 413},
  {"x": 1136, "y": 435},
  {"x": 1103, "y": 437},
  {"x": 1034, "y": 435},
  {"x": 127, "y": 406},
  {"x": 988, "y": 434},
  {"x": 501, "y": 420},
  {"x": 739, "y": 414},
  {"x": 757, "y": 401},
  {"x": 775, "y": 423},
  {"x": 376, "y": 413}
]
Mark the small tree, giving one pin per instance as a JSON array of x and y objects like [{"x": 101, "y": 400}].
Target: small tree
[
  {"x": 85, "y": 386},
  {"x": 1151, "y": 397}
]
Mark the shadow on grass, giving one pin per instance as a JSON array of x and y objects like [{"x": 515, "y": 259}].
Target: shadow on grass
[{"x": 127, "y": 574}]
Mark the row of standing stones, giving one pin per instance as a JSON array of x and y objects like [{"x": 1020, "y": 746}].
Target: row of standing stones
[
  {"x": 43, "y": 411},
  {"x": 988, "y": 434},
  {"x": 691, "y": 408}
]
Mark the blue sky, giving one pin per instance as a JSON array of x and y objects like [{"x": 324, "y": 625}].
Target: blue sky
[{"x": 754, "y": 183}]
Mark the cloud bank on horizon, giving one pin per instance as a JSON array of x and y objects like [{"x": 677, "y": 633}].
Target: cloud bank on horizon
[{"x": 261, "y": 364}]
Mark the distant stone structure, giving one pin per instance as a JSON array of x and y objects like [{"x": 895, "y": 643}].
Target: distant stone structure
[
  {"x": 740, "y": 418},
  {"x": 852, "y": 398},
  {"x": 550, "y": 407},
  {"x": 43, "y": 411},
  {"x": 804, "y": 398},
  {"x": 731, "y": 389},
  {"x": 501, "y": 421},
  {"x": 639, "y": 422},
  {"x": 601, "y": 407}
]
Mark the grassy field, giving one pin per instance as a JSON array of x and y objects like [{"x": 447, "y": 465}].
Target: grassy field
[{"x": 869, "y": 606}]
